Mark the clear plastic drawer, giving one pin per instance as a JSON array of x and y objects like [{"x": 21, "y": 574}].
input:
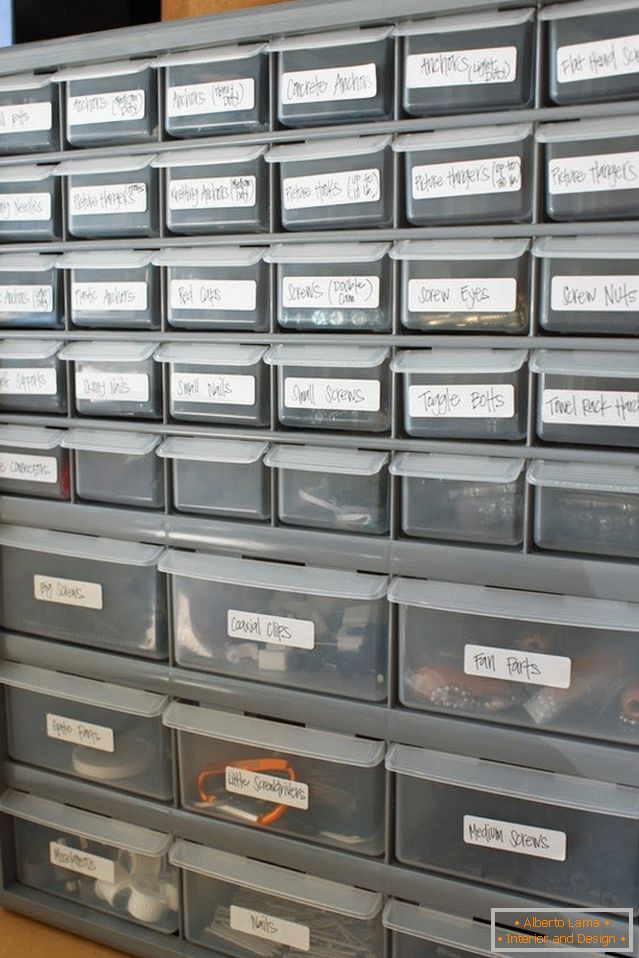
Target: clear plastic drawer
[
  {"x": 30, "y": 292},
  {"x": 33, "y": 462},
  {"x": 424, "y": 933},
  {"x": 116, "y": 379},
  {"x": 33, "y": 377},
  {"x": 30, "y": 204},
  {"x": 117, "y": 289},
  {"x": 121, "y": 468},
  {"x": 29, "y": 115}
]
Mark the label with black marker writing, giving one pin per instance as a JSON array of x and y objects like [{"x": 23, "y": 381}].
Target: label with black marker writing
[
  {"x": 271, "y": 928},
  {"x": 619, "y": 294},
  {"x": 334, "y": 83},
  {"x": 454, "y": 401},
  {"x": 511, "y": 837},
  {"x": 515, "y": 665},
  {"x": 590, "y": 407},
  {"x": 461, "y": 68}
]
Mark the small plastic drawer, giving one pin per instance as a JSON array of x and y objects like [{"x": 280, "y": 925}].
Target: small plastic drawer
[
  {"x": 30, "y": 206},
  {"x": 464, "y": 286},
  {"x": 219, "y": 477},
  {"x": 218, "y": 287},
  {"x": 465, "y": 64},
  {"x": 464, "y": 394},
  {"x": 555, "y": 663},
  {"x": 117, "y": 289},
  {"x": 589, "y": 285},
  {"x": 589, "y": 398},
  {"x": 333, "y": 387},
  {"x": 521, "y": 829},
  {"x": 335, "y": 184},
  {"x": 239, "y": 906},
  {"x": 423, "y": 933},
  {"x": 216, "y": 90},
  {"x": 461, "y": 498},
  {"x": 217, "y": 383},
  {"x": 323, "y": 787},
  {"x": 593, "y": 50},
  {"x": 102, "y": 733},
  {"x": 341, "y": 287},
  {"x": 32, "y": 376},
  {"x": 115, "y": 379},
  {"x": 29, "y": 116},
  {"x": 82, "y": 589},
  {"x": 323, "y": 487},
  {"x": 592, "y": 169},
  {"x": 116, "y": 196},
  {"x": 586, "y": 507},
  {"x": 216, "y": 190},
  {"x": 117, "y": 467},
  {"x": 30, "y": 292},
  {"x": 97, "y": 862},
  {"x": 338, "y": 77},
  {"x": 33, "y": 463},
  {"x": 475, "y": 175},
  {"x": 289, "y": 625}
]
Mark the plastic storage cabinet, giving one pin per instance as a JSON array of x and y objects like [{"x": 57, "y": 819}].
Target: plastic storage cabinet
[
  {"x": 32, "y": 376},
  {"x": 115, "y": 379},
  {"x": 232, "y": 904},
  {"x": 422, "y": 933},
  {"x": 219, "y": 90},
  {"x": 586, "y": 507},
  {"x": 29, "y": 204},
  {"x": 289, "y": 625},
  {"x": 82, "y": 589},
  {"x": 333, "y": 387},
  {"x": 117, "y": 467},
  {"x": 335, "y": 184},
  {"x": 219, "y": 287},
  {"x": 100, "y": 863},
  {"x": 593, "y": 53},
  {"x": 29, "y": 116},
  {"x": 117, "y": 289},
  {"x": 112, "y": 196},
  {"x": 318, "y": 786},
  {"x": 589, "y": 398},
  {"x": 32, "y": 462},
  {"x": 589, "y": 284},
  {"x": 323, "y": 487},
  {"x": 217, "y": 383},
  {"x": 461, "y": 498},
  {"x": 340, "y": 287},
  {"x": 30, "y": 292},
  {"x": 102, "y": 733},
  {"x": 219, "y": 477},
  {"x": 592, "y": 169},
  {"x": 466, "y": 286},
  {"x": 337, "y": 77},
  {"x": 216, "y": 190},
  {"x": 464, "y": 394},
  {"x": 522, "y": 829},
  {"x": 484, "y": 61},
  {"x": 478, "y": 175},
  {"x": 110, "y": 103}
]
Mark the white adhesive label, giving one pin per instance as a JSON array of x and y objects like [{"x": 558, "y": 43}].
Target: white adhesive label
[
  {"x": 28, "y": 381},
  {"x": 106, "y": 107},
  {"x": 271, "y": 629},
  {"x": 26, "y": 118},
  {"x": 340, "y": 83},
  {"x": 25, "y": 207},
  {"x": 26, "y": 299},
  {"x": 220, "y": 96},
  {"x": 514, "y": 665},
  {"x": 82, "y": 863},
  {"x": 362, "y": 395},
  {"x": 213, "y": 388},
  {"x": 212, "y": 192},
  {"x": 462, "y": 68},
  {"x": 327, "y": 292},
  {"x": 109, "y": 297},
  {"x": 520, "y": 839},
  {"x": 602, "y": 173},
  {"x": 110, "y": 199},
  {"x": 95, "y": 386},
  {"x": 24, "y": 468},
  {"x": 87, "y": 595},
  {"x": 277, "y": 930},
  {"x": 331, "y": 189},
  {"x": 214, "y": 294},
  {"x": 80, "y": 733},
  {"x": 443, "y": 401},
  {"x": 468, "y": 178},
  {"x": 268, "y": 788},
  {"x": 589, "y": 407},
  {"x": 617, "y": 56},
  {"x": 618, "y": 294},
  {"x": 462, "y": 295}
]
